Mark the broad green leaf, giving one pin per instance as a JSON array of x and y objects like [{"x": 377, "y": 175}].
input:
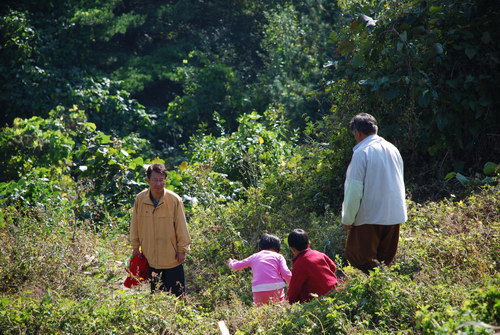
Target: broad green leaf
[
  {"x": 490, "y": 168},
  {"x": 358, "y": 60},
  {"x": 485, "y": 101},
  {"x": 470, "y": 52},
  {"x": 462, "y": 179},
  {"x": 103, "y": 138},
  {"x": 435, "y": 9},
  {"x": 90, "y": 126},
  {"x": 438, "y": 47},
  {"x": 139, "y": 161},
  {"x": 403, "y": 36},
  {"x": 486, "y": 37},
  {"x": 450, "y": 175},
  {"x": 424, "y": 99},
  {"x": 183, "y": 166}
]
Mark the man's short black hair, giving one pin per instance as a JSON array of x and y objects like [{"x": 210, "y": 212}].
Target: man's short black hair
[
  {"x": 298, "y": 239},
  {"x": 158, "y": 168},
  {"x": 269, "y": 242},
  {"x": 364, "y": 123}
]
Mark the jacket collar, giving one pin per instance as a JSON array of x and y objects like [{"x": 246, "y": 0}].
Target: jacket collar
[
  {"x": 148, "y": 200},
  {"x": 366, "y": 141},
  {"x": 302, "y": 253}
]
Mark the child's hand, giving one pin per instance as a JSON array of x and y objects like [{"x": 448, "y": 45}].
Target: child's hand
[{"x": 229, "y": 262}]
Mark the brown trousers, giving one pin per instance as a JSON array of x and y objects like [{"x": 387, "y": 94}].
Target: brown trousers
[{"x": 369, "y": 246}]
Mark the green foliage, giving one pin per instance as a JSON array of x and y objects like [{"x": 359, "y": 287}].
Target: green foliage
[
  {"x": 452, "y": 237},
  {"x": 58, "y": 275},
  {"x": 251, "y": 153},
  {"x": 209, "y": 87},
  {"x": 477, "y": 315},
  {"x": 114, "y": 110},
  {"x": 295, "y": 47},
  {"x": 258, "y": 95},
  {"x": 427, "y": 76},
  {"x": 64, "y": 157}
]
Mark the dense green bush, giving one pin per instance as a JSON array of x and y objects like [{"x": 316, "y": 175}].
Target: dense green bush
[
  {"x": 428, "y": 77},
  {"x": 60, "y": 276},
  {"x": 65, "y": 157}
]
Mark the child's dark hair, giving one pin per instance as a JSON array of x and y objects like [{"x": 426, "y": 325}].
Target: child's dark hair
[
  {"x": 298, "y": 239},
  {"x": 269, "y": 242}
]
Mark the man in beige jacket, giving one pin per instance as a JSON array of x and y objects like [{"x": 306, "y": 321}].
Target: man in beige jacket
[{"x": 159, "y": 228}]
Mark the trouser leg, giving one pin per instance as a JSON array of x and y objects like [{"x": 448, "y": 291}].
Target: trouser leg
[
  {"x": 361, "y": 247},
  {"x": 368, "y": 246},
  {"x": 388, "y": 245},
  {"x": 169, "y": 280}
]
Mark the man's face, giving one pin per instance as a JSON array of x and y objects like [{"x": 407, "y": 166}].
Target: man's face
[
  {"x": 357, "y": 136},
  {"x": 156, "y": 181}
]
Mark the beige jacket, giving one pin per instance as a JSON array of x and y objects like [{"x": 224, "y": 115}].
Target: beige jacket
[{"x": 161, "y": 232}]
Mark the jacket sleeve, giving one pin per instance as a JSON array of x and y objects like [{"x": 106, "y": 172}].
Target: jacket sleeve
[
  {"x": 285, "y": 272},
  {"x": 181, "y": 230},
  {"x": 134, "y": 229},
  {"x": 352, "y": 200},
  {"x": 353, "y": 188},
  {"x": 296, "y": 284},
  {"x": 238, "y": 265},
  {"x": 331, "y": 264}
]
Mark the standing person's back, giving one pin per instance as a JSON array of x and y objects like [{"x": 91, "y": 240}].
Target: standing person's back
[
  {"x": 378, "y": 164},
  {"x": 313, "y": 272},
  {"x": 374, "y": 197}
]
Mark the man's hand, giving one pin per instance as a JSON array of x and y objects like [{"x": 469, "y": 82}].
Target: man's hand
[
  {"x": 347, "y": 227},
  {"x": 181, "y": 257},
  {"x": 136, "y": 252}
]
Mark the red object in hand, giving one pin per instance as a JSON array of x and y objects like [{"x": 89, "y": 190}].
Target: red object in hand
[{"x": 138, "y": 271}]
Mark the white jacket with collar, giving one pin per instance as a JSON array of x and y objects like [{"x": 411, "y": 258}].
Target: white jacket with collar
[{"x": 374, "y": 190}]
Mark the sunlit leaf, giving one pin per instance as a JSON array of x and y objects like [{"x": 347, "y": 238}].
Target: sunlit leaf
[
  {"x": 103, "y": 138},
  {"x": 183, "y": 166}
]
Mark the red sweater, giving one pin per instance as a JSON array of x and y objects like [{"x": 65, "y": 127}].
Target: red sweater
[{"x": 312, "y": 272}]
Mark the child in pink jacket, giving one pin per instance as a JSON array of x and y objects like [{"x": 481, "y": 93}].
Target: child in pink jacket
[{"x": 269, "y": 269}]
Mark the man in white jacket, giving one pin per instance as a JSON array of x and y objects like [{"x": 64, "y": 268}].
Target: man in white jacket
[{"x": 374, "y": 197}]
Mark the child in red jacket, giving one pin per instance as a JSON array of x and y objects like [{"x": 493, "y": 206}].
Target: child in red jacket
[{"x": 312, "y": 272}]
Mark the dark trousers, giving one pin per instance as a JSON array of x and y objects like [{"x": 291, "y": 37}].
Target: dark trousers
[
  {"x": 369, "y": 246},
  {"x": 168, "y": 280}
]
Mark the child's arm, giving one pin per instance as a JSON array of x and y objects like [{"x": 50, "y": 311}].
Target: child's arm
[
  {"x": 235, "y": 264},
  {"x": 331, "y": 264},
  {"x": 283, "y": 269}
]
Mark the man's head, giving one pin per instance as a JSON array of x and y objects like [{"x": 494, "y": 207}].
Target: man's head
[
  {"x": 156, "y": 176},
  {"x": 298, "y": 240},
  {"x": 269, "y": 242},
  {"x": 363, "y": 125}
]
